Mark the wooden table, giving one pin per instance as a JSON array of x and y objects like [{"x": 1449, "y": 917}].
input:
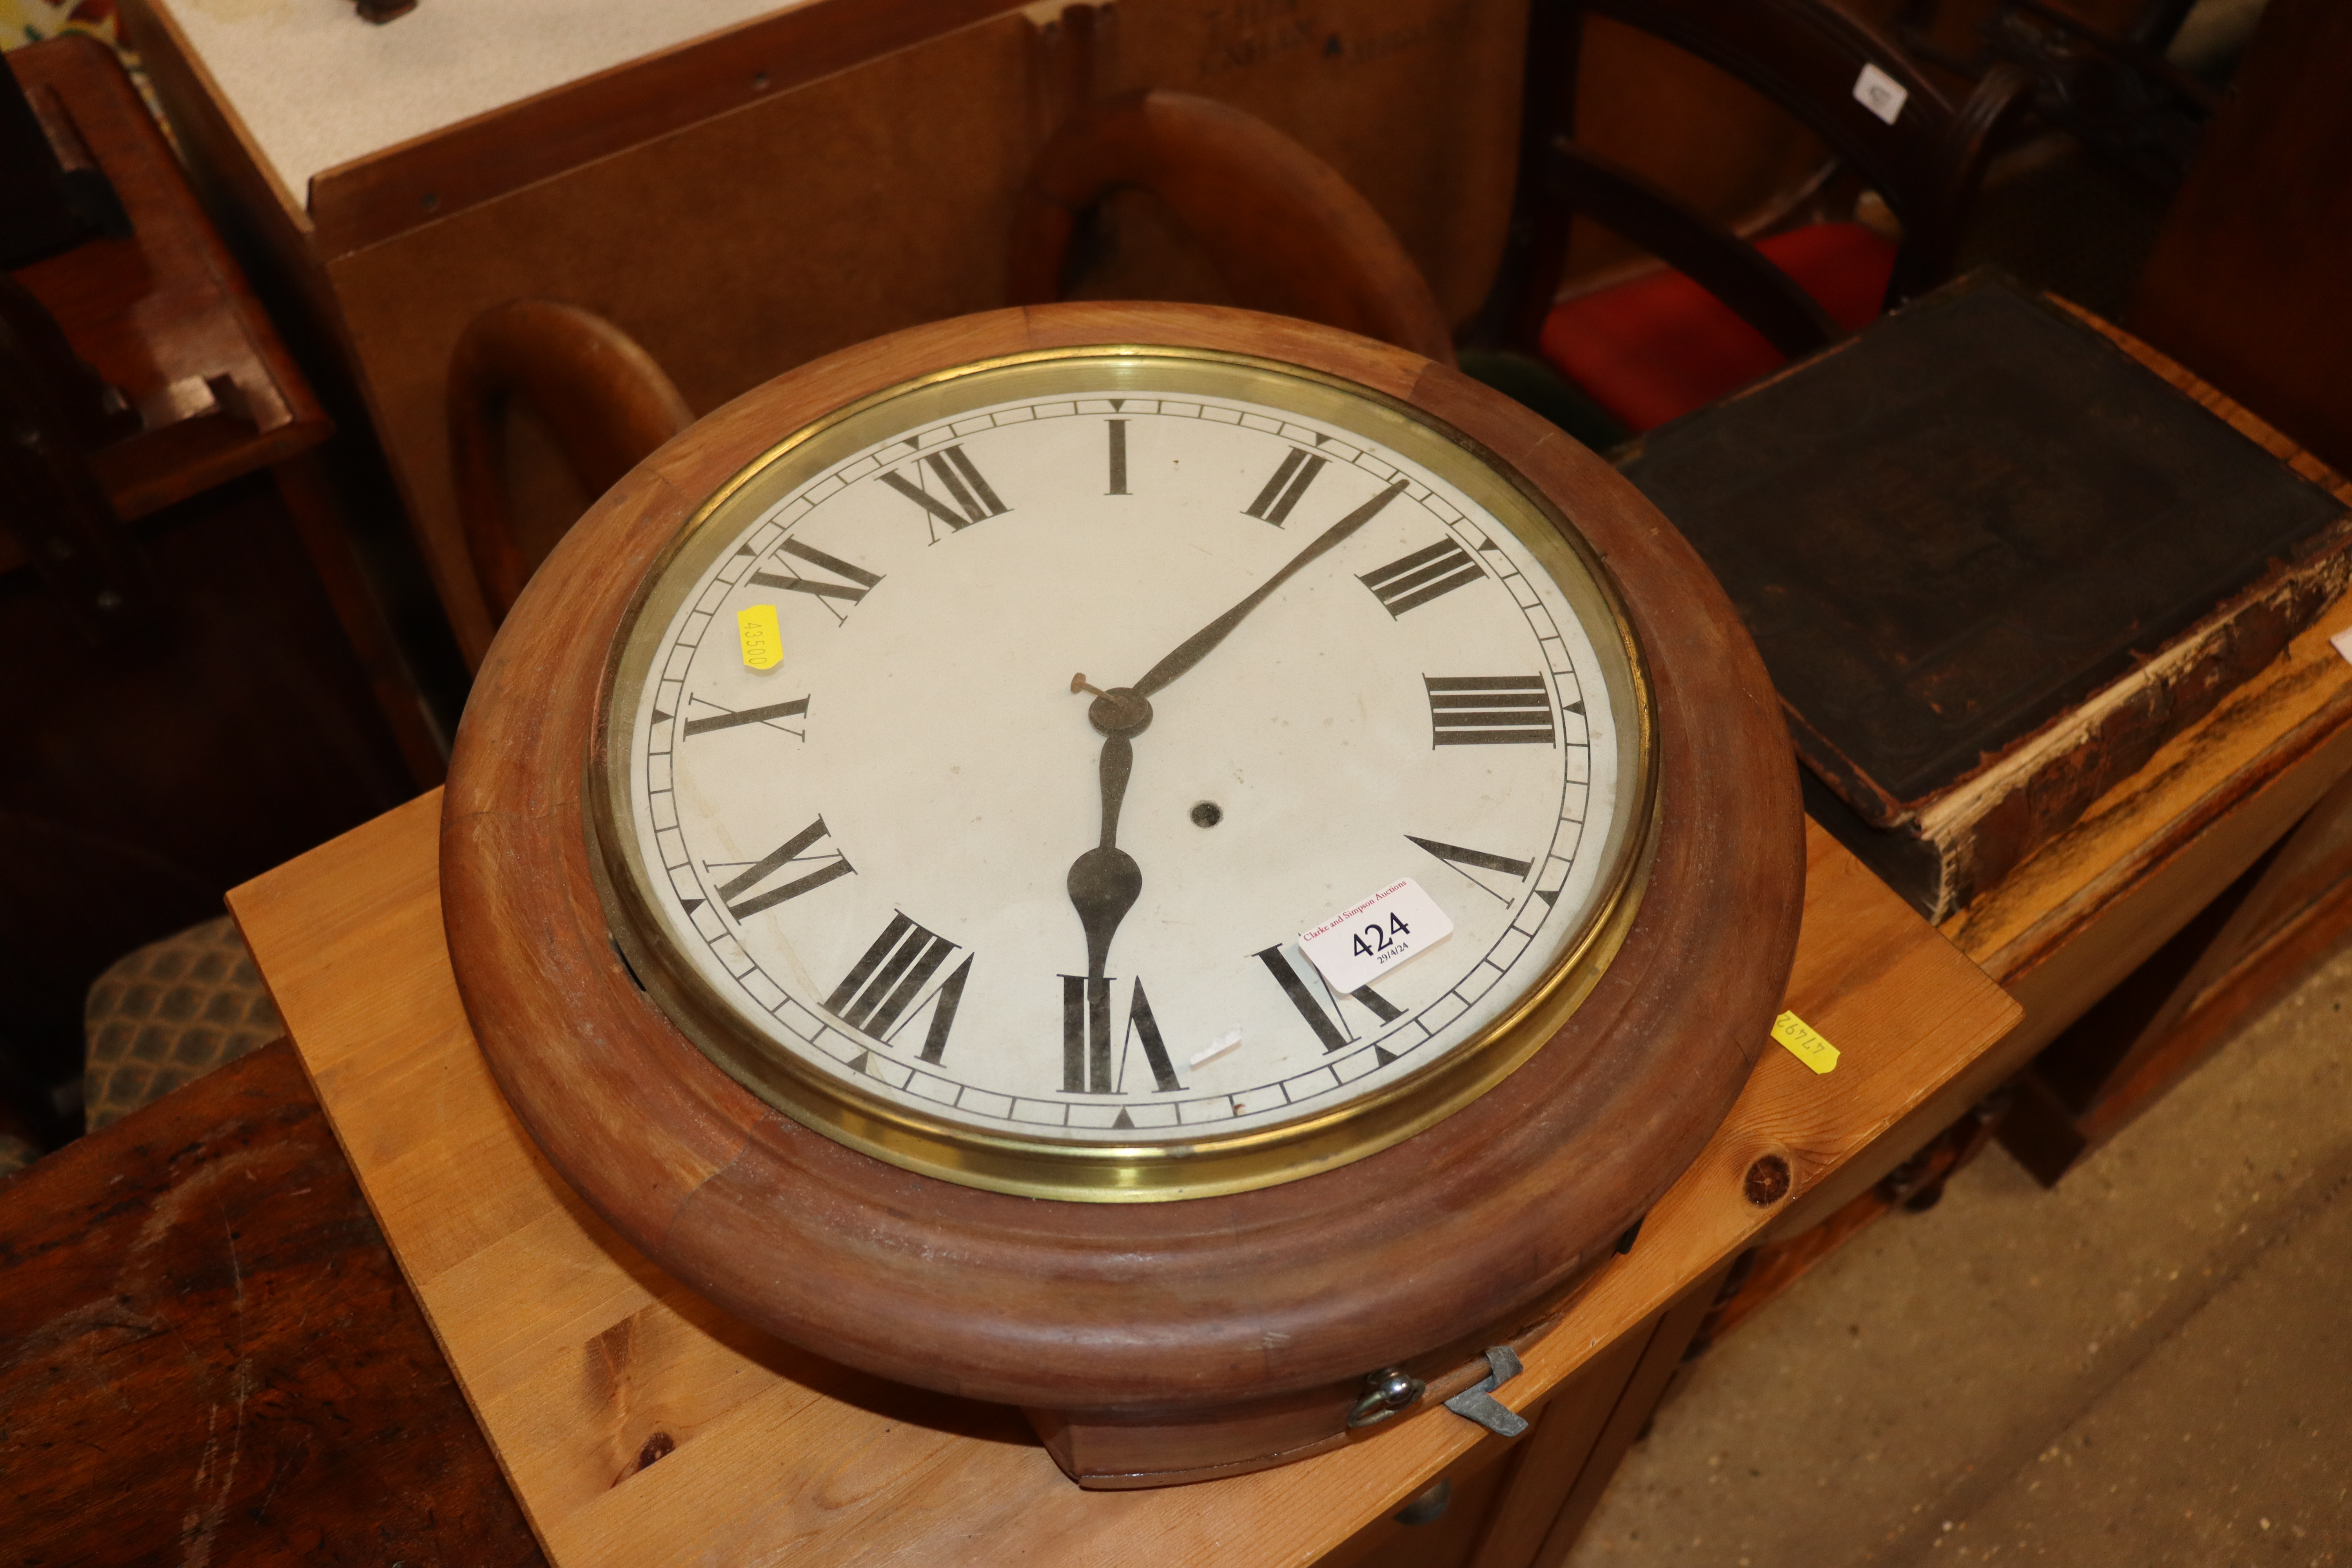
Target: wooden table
[
  {"x": 637, "y": 1426},
  {"x": 206, "y": 1354}
]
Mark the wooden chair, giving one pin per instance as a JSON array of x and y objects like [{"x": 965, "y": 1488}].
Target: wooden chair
[
  {"x": 1286, "y": 232},
  {"x": 1659, "y": 346},
  {"x": 602, "y": 397}
]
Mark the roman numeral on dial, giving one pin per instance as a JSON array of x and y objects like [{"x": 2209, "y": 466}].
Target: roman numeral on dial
[
  {"x": 1086, "y": 1064},
  {"x": 961, "y": 480},
  {"x": 888, "y": 978},
  {"x": 1458, "y": 856},
  {"x": 1489, "y": 711},
  {"x": 792, "y": 850},
  {"x": 857, "y": 579},
  {"x": 1290, "y": 482},
  {"x": 1412, "y": 581},
  {"x": 1468, "y": 863},
  {"x": 729, "y": 718},
  {"x": 1329, "y": 1026}
]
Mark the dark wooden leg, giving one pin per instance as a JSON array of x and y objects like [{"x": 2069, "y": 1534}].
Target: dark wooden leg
[
  {"x": 318, "y": 524},
  {"x": 2286, "y": 913}
]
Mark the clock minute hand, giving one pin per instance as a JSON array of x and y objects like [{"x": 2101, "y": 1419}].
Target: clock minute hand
[{"x": 1192, "y": 649}]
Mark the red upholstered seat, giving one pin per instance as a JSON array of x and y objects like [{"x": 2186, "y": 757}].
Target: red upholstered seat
[{"x": 1659, "y": 346}]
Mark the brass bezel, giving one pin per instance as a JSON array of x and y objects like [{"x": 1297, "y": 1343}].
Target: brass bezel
[{"x": 1200, "y": 1167}]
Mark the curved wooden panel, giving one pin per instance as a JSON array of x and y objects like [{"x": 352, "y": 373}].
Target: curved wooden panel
[
  {"x": 1287, "y": 232},
  {"x": 603, "y": 397}
]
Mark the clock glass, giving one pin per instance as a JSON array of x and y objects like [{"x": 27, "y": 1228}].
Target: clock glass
[{"x": 974, "y": 762}]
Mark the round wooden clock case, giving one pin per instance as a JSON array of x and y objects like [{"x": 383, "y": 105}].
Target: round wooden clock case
[{"x": 1149, "y": 1341}]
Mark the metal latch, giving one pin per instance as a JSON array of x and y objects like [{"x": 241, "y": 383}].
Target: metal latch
[{"x": 1478, "y": 1403}]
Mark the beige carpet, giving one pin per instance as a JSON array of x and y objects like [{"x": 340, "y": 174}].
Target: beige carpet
[{"x": 2147, "y": 1365}]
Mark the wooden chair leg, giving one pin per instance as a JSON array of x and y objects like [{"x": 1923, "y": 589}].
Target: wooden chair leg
[{"x": 317, "y": 523}]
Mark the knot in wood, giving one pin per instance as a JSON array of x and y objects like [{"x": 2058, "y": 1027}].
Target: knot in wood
[
  {"x": 660, "y": 1446},
  {"x": 1768, "y": 1181}
]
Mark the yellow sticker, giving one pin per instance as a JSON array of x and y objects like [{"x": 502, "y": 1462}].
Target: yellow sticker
[
  {"x": 1805, "y": 1041},
  {"x": 763, "y": 640}
]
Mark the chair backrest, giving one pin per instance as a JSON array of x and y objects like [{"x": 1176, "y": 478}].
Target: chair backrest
[
  {"x": 1848, "y": 84},
  {"x": 605, "y": 399},
  {"x": 1284, "y": 230}
]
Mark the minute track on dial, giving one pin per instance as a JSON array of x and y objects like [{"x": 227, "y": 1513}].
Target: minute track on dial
[{"x": 1065, "y": 567}]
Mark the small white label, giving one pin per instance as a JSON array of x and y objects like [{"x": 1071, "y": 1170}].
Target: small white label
[
  {"x": 2342, "y": 643},
  {"x": 1880, "y": 93},
  {"x": 1364, "y": 941}
]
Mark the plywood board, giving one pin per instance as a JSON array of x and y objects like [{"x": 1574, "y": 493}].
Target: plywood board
[{"x": 640, "y": 1426}]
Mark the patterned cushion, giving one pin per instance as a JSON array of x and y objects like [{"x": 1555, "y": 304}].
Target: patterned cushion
[{"x": 168, "y": 1012}]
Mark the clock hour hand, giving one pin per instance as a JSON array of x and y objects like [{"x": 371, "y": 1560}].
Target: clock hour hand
[
  {"x": 1192, "y": 649},
  {"x": 1105, "y": 881}
]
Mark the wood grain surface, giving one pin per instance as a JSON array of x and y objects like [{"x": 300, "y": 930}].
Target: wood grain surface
[
  {"x": 206, "y": 1354},
  {"x": 1172, "y": 1312},
  {"x": 641, "y": 1425}
]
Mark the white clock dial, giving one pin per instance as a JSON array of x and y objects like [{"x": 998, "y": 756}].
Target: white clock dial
[{"x": 915, "y": 863}]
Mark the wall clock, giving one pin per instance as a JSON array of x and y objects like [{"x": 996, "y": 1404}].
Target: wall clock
[{"x": 1151, "y": 863}]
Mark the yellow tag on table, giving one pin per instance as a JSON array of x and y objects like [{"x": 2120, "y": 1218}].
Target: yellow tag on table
[
  {"x": 1805, "y": 1041},
  {"x": 763, "y": 640}
]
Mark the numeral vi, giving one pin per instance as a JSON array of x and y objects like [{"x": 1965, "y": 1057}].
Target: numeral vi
[{"x": 1087, "y": 1058}]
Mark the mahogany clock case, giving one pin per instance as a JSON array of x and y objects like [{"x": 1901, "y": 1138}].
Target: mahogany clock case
[{"x": 1208, "y": 1335}]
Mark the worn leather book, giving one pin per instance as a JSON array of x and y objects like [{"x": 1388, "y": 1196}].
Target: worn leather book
[{"x": 1993, "y": 563}]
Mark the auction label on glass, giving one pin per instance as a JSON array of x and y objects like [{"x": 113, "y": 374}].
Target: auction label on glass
[{"x": 1364, "y": 941}]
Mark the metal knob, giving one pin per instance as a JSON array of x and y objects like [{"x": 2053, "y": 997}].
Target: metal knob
[{"x": 1386, "y": 1391}]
